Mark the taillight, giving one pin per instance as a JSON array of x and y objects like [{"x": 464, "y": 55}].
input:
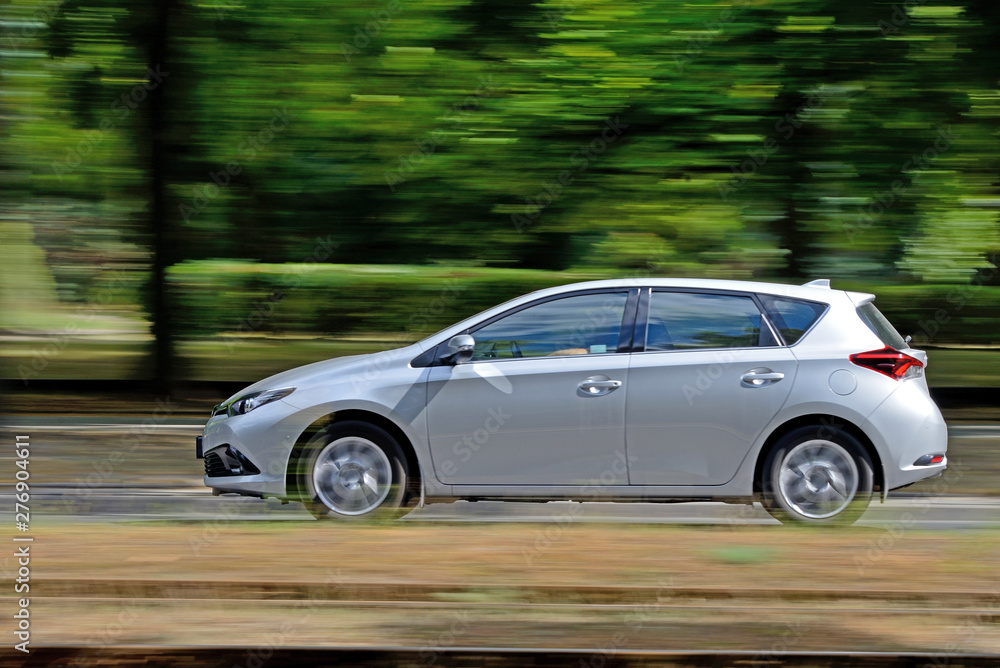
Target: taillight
[{"x": 891, "y": 362}]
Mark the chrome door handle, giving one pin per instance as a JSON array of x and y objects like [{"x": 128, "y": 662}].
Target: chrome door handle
[
  {"x": 597, "y": 386},
  {"x": 760, "y": 377}
]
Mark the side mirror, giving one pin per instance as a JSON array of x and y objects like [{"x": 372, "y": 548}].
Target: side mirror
[{"x": 460, "y": 349}]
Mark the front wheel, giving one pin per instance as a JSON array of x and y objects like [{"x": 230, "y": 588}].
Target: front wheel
[
  {"x": 353, "y": 470},
  {"x": 818, "y": 474}
]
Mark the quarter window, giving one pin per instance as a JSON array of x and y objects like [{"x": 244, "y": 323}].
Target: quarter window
[
  {"x": 579, "y": 325},
  {"x": 792, "y": 317},
  {"x": 688, "y": 321}
]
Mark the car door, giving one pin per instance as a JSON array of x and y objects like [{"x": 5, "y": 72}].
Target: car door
[
  {"x": 542, "y": 402},
  {"x": 710, "y": 378}
]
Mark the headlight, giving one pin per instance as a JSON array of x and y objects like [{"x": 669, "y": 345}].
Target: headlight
[{"x": 248, "y": 402}]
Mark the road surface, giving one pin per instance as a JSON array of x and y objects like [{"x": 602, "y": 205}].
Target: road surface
[{"x": 161, "y": 481}]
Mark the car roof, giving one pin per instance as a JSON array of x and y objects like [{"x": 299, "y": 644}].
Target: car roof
[{"x": 816, "y": 290}]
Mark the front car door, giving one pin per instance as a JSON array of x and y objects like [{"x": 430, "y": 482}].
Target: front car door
[
  {"x": 711, "y": 376},
  {"x": 542, "y": 402}
]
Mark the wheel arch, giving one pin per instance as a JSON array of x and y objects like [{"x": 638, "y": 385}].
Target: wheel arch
[
  {"x": 414, "y": 474},
  {"x": 821, "y": 420}
]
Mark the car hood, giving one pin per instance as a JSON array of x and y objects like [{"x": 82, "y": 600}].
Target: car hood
[{"x": 326, "y": 370}]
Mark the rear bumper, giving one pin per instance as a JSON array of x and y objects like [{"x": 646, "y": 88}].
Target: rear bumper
[{"x": 909, "y": 426}]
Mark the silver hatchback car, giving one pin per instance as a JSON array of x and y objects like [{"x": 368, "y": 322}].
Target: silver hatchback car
[{"x": 804, "y": 398}]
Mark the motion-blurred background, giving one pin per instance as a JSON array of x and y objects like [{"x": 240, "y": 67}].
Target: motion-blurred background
[
  {"x": 195, "y": 194},
  {"x": 220, "y": 189}
]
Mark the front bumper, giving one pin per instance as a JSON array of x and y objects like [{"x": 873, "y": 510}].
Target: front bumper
[{"x": 247, "y": 454}]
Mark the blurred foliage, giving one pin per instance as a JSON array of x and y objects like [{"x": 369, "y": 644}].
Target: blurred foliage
[
  {"x": 216, "y": 297},
  {"x": 340, "y": 299},
  {"x": 783, "y": 139}
]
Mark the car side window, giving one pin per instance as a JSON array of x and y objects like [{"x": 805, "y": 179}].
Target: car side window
[
  {"x": 792, "y": 317},
  {"x": 578, "y": 325},
  {"x": 690, "y": 320}
]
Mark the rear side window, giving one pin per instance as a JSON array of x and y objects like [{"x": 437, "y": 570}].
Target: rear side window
[
  {"x": 792, "y": 317},
  {"x": 686, "y": 321},
  {"x": 883, "y": 328}
]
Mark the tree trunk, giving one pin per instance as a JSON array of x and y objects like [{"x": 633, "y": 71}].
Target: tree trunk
[{"x": 159, "y": 217}]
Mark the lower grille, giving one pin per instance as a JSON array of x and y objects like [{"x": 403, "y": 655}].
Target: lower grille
[
  {"x": 228, "y": 461},
  {"x": 214, "y": 466}
]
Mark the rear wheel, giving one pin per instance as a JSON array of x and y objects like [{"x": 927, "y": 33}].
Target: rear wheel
[
  {"x": 817, "y": 474},
  {"x": 353, "y": 470}
]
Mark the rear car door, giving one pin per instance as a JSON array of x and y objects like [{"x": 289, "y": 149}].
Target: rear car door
[{"x": 710, "y": 377}]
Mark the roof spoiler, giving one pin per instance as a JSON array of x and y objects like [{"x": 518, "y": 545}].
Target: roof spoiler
[{"x": 860, "y": 298}]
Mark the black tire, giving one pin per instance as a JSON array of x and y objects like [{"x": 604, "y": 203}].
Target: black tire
[
  {"x": 817, "y": 474},
  {"x": 371, "y": 482}
]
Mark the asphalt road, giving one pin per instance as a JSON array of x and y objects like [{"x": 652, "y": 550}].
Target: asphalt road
[{"x": 180, "y": 496}]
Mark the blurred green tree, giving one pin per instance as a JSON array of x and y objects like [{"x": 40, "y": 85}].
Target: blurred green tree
[{"x": 757, "y": 138}]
